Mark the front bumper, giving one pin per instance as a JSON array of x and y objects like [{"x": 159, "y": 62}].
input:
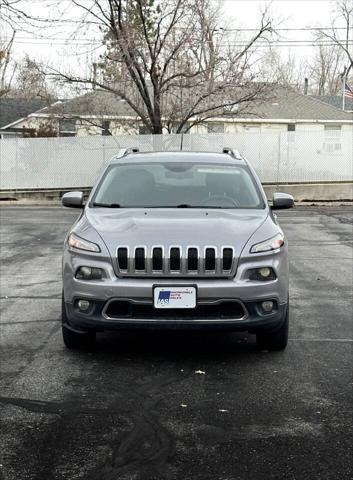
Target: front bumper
[
  {"x": 209, "y": 291},
  {"x": 253, "y": 321}
]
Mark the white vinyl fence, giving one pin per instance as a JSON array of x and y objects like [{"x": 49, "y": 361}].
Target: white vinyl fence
[{"x": 278, "y": 157}]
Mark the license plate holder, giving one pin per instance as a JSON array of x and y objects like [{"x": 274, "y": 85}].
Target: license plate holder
[{"x": 180, "y": 296}]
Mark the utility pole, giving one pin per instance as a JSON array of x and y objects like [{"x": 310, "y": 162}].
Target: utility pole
[
  {"x": 344, "y": 78},
  {"x": 94, "y": 75}
]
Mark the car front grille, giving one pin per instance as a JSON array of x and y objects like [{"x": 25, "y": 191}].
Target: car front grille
[
  {"x": 176, "y": 261},
  {"x": 226, "y": 309}
]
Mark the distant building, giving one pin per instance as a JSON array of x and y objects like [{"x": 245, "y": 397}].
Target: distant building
[
  {"x": 336, "y": 101},
  {"x": 102, "y": 113},
  {"x": 15, "y": 110}
]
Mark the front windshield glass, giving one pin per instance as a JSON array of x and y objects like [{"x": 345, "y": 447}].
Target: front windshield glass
[{"x": 183, "y": 185}]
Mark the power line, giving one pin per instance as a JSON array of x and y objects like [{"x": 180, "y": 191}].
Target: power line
[
  {"x": 20, "y": 39},
  {"x": 279, "y": 43},
  {"x": 221, "y": 29},
  {"x": 92, "y": 40},
  {"x": 289, "y": 29},
  {"x": 317, "y": 29}
]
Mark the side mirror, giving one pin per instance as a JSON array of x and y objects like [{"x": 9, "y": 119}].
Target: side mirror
[
  {"x": 282, "y": 200},
  {"x": 72, "y": 199}
]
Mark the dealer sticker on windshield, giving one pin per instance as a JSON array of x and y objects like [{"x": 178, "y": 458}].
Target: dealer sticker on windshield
[{"x": 175, "y": 297}]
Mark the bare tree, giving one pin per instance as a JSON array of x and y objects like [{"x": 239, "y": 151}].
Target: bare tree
[
  {"x": 11, "y": 12},
  {"x": 326, "y": 68},
  {"x": 170, "y": 62},
  {"x": 285, "y": 70},
  {"x": 17, "y": 15},
  {"x": 31, "y": 81},
  {"x": 343, "y": 11},
  {"x": 7, "y": 66}
]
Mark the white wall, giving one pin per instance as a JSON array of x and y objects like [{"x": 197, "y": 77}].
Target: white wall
[{"x": 125, "y": 127}]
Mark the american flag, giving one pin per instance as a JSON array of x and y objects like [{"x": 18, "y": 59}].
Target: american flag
[{"x": 348, "y": 92}]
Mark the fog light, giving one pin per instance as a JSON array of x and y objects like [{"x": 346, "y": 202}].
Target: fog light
[
  {"x": 83, "y": 305},
  {"x": 265, "y": 272},
  {"x": 267, "y": 306}
]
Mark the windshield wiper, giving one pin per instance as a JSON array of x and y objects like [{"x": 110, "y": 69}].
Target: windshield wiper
[
  {"x": 187, "y": 205},
  {"x": 106, "y": 205}
]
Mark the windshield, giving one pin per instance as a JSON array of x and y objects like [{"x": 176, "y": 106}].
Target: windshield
[{"x": 183, "y": 185}]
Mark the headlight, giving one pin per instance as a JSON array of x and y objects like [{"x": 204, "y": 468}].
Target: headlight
[
  {"x": 262, "y": 274},
  {"x": 76, "y": 242},
  {"x": 271, "y": 244},
  {"x": 89, "y": 273}
]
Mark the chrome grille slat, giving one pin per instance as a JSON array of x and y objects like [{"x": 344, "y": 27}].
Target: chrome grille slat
[
  {"x": 148, "y": 261},
  {"x": 219, "y": 262},
  {"x": 184, "y": 266},
  {"x": 162, "y": 261}
]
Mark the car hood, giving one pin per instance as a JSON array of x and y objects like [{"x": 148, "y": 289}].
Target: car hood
[{"x": 174, "y": 227}]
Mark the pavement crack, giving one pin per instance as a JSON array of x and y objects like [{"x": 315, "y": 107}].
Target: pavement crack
[
  {"x": 30, "y": 297},
  {"x": 64, "y": 408},
  {"x": 19, "y": 322}
]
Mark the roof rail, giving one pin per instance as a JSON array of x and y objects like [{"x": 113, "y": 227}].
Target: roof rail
[
  {"x": 125, "y": 151},
  {"x": 234, "y": 153}
]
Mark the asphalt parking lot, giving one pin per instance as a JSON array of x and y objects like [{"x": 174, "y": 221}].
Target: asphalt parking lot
[{"x": 136, "y": 410}]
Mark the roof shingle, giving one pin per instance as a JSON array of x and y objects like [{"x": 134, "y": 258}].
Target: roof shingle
[
  {"x": 12, "y": 109},
  {"x": 336, "y": 101},
  {"x": 286, "y": 103},
  {"x": 282, "y": 104}
]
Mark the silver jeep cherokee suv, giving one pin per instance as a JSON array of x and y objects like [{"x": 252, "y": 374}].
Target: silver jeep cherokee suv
[{"x": 176, "y": 240}]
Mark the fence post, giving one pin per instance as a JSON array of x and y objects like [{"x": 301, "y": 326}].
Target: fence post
[
  {"x": 278, "y": 159},
  {"x": 16, "y": 166}
]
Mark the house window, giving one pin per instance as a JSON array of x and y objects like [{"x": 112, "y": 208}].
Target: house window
[
  {"x": 106, "y": 127},
  {"x": 67, "y": 127},
  {"x": 332, "y": 141},
  {"x": 332, "y": 131},
  {"x": 291, "y": 127},
  {"x": 230, "y": 107},
  {"x": 214, "y": 127},
  {"x": 184, "y": 129}
]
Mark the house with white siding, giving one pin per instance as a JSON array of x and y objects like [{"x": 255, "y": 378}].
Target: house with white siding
[{"x": 102, "y": 113}]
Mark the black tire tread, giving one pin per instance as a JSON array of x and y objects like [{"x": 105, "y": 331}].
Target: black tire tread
[
  {"x": 74, "y": 340},
  {"x": 81, "y": 341},
  {"x": 275, "y": 340}
]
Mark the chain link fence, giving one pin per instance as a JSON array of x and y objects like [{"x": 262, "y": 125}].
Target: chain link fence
[{"x": 278, "y": 157}]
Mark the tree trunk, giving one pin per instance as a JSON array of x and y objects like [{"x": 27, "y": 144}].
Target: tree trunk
[{"x": 157, "y": 130}]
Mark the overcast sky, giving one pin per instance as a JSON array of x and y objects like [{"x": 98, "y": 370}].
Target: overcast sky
[
  {"x": 300, "y": 13},
  {"x": 239, "y": 13}
]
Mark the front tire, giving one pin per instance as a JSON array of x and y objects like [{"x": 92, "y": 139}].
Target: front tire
[
  {"x": 274, "y": 340},
  {"x": 75, "y": 340},
  {"x": 80, "y": 341}
]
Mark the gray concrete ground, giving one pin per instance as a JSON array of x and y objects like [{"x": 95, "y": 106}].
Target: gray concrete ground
[{"x": 135, "y": 409}]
